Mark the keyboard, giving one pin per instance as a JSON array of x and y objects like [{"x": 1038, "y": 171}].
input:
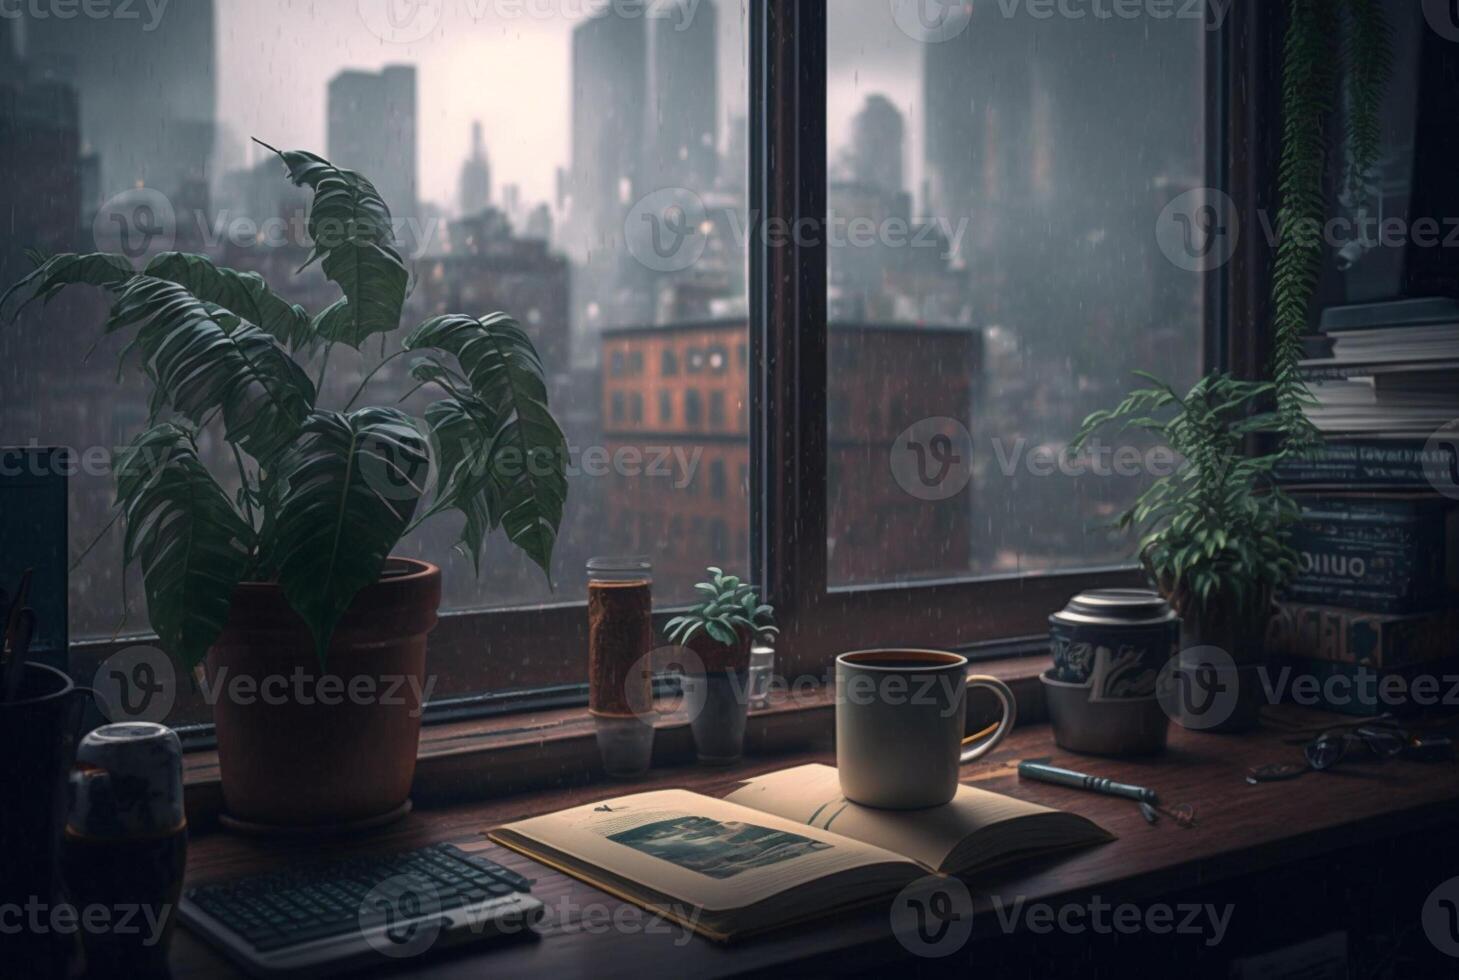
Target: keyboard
[{"x": 328, "y": 918}]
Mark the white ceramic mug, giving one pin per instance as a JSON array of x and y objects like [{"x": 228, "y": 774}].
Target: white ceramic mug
[{"x": 900, "y": 717}]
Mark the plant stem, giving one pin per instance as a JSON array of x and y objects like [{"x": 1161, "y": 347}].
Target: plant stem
[{"x": 366, "y": 380}]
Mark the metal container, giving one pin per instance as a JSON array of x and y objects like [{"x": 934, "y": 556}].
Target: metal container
[
  {"x": 1109, "y": 647},
  {"x": 1115, "y": 641}
]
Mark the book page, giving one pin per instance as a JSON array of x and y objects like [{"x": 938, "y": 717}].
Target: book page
[
  {"x": 811, "y": 796},
  {"x": 695, "y": 849}
]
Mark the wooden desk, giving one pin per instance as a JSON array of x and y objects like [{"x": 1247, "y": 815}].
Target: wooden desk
[{"x": 1274, "y": 829}]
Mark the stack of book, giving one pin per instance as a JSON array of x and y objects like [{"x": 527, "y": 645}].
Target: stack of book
[{"x": 1378, "y": 544}]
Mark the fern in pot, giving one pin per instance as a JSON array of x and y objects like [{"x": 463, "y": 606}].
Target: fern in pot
[
  {"x": 312, "y": 636},
  {"x": 719, "y": 631},
  {"x": 1213, "y": 536}
]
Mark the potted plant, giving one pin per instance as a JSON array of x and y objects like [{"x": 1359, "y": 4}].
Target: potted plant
[
  {"x": 719, "y": 631},
  {"x": 292, "y": 576},
  {"x": 1214, "y": 536}
]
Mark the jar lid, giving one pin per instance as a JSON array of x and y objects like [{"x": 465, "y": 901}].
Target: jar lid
[{"x": 1115, "y": 607}]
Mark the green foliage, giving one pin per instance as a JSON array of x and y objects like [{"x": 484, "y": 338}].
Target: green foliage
[
  {"x": 1310, "y": 72},
  {"x": 324, "y": 495},
  {"x": 351, "y": 228},
  {"x": 729, "y": 606},
  {"x": 182, "y": 528},
  {"x": 501, "y": 394},
  {"x": 346, "y": 492},
  {"x": 1308, "y": 77},
  {"x": 1214, "y": 535}
]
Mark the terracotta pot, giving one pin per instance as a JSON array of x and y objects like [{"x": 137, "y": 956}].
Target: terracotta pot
[{"x": 299, "y": 746}]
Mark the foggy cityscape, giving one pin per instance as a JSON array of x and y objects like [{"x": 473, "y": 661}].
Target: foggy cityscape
[{"x": 525, "y": 160}]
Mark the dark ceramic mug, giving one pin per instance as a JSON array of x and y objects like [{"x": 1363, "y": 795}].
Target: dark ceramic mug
[{"x": 37, "y": 744}]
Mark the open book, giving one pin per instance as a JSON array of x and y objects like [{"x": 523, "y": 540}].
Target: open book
[{"x": 785, "y": 847}]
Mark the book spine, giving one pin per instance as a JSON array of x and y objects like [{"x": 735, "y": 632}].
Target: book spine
[
  {"x": 1355, "y": 637},
  {"x": 1399, "y": 465},
  {"x": 1377, "y": 558}
]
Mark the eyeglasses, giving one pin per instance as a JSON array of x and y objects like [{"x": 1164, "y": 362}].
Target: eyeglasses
[
  {"x": 1382, "y": 740},
  {"x": 1328, "y": 749}
]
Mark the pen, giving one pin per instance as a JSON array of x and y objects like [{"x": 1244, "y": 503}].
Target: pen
[{"x": 1078, "y": 780}]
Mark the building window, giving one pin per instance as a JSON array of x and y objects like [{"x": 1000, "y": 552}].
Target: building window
[
  {"x": 618, "y": 403},
  {"x": 636, "y": 406},
  {"x": 693, "y": 408},
  {"x": 716, "y": 479},
  {"x": 717, "y": 359},
  {"x": 669, "y": 363},
  {"x": 617, "y": 362},
  {"x": 635, "y": 363},
  {"x": 694, "y": 360},
  {"x": 716, "y": 409},
  {"x": 666, "y": 407}
]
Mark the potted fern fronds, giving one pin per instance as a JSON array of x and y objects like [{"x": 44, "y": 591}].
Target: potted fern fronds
[
  {"x": 293, "y": 576},
  {"x": 1214, "y": 536},
  {"x": 720, "y": 630}
]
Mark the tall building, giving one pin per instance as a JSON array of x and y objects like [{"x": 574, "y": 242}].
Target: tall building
[
  {"x": 147, "y": 92},
  {"x": 645, "y": 117},
  {"x": 474, "y": 188},
  {"x": 683, "y": 95},
  {"x": 877, "y": 144},
  {"x": 371, "y": 128}
]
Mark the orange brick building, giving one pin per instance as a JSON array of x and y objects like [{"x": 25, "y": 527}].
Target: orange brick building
[{"x": 679, "y": 395}]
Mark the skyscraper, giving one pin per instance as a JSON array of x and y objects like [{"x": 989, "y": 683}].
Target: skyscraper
[
  {"x": 372, "y": 129},
  {"x": 474, "y": 189},
  {"x": 877, "y": 138},
  {"x": 684, "y": 95},
  {"x": 147, "y": 93}
]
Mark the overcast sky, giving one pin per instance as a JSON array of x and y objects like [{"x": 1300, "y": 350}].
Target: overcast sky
[{"x": 507, "y": 63}]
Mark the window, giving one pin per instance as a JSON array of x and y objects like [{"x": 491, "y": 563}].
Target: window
[
  {"x": 532, "y": 204},
  {"x": 960, "y": 171},
  {"x": 986, "y": 273}
]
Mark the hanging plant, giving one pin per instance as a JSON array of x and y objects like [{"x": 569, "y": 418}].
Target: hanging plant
[{"x": 1309, "y": 82}]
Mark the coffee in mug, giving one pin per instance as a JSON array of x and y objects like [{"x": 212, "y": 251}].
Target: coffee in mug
[{"x": 900, "y": 717}]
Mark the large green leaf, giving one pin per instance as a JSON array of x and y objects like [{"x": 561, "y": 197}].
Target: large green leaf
[
  {"x": 242, "y": 293},
  {"x": 340, "y": 498},
  {"x": 70, "y": 269},
  {"x": 204, "y": 362},
  {"x": 350, "y": 226},
  {"x": 528, "y": 453},
  {"x": 192, "y": 545},
  {"x": 461, "y": 433}
]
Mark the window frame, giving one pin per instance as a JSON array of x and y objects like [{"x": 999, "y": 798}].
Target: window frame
[{"x": 531, "y": 657}]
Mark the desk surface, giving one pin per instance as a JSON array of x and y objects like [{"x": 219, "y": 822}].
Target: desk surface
[{"x": 1242, "y": 829}]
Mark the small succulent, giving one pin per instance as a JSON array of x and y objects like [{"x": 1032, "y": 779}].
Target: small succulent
[{"x": 729, "y": 605}]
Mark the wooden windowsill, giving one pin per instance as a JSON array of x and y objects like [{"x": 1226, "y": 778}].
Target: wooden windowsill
[{"x": 465, "y": 761}]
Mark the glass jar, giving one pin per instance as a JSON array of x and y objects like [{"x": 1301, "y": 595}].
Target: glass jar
[{"x": 620, "y": 662}]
